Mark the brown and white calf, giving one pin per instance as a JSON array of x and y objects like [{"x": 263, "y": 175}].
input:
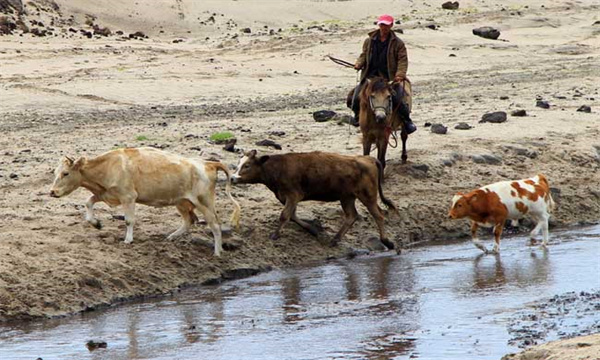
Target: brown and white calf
[
  {"x": 493, "y": 204},
  {"x": 151, "y": 177},
  {"x": 319, "y": 176}
]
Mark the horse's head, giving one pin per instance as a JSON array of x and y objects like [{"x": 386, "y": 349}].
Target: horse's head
[{"x": 378, "y": 94}]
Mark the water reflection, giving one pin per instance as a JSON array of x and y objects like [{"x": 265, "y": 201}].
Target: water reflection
[
  {"x": 492, "y": 272},
  {"x": 290, "y": 288}
]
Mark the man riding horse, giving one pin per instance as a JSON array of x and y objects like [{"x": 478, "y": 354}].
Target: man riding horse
[{"x": 384, "y": 54}]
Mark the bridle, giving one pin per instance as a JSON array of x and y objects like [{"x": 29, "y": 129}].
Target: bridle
[{"x": 387, "y": 110}]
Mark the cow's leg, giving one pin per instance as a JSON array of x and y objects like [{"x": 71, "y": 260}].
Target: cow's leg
[
  {"x": 129, "y": 210},
  {"x": 474, "y": 237},
  {"x": 308, "y": 227},
  {"x": 213, "y": 223},
  {"x": 186, "y": 210},
  {"x": 545, "y": 234},
  {"x": 89, "y": 212},
  {"x": 350, "y": 215},
  {"x": 370, "y": 201},
  {"x": 497, "y": 232},
  {"x": 289, "y": 209},
  {"x": 404, "y": 137},
  {"x": 536, "y": 230}
]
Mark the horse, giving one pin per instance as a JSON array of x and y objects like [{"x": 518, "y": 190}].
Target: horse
[{"x": 378, "y": 116}]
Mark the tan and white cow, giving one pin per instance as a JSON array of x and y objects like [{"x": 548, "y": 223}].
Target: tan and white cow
[
  {"x": 493, "y": 204},
  {"x": 151, "y": 177}
]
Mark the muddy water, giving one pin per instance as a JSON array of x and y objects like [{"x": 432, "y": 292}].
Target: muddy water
[{"x": 436, "y": 302}]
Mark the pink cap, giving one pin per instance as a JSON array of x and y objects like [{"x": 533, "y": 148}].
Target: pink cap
[{"x": 385, "y": 19}]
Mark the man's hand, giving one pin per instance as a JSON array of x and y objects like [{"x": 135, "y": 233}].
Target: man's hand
[
  {"x": 357, "y": 66},
  {"x": 398, "y": 78}
]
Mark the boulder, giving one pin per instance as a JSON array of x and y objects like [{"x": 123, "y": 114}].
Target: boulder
[
  {"x": 487, "y": 32},
  {"x": 542, "y": 104},
  {"x": 439, "y": 129},
  {"x": 450, "y": 5},
  {"x": 519, "y": 112},
  {"x": 585, "y": 108},
  {"x": 494, "y": 117},
  {"x": 323, "y": 115},
  {"x": 463, "y": 126}
]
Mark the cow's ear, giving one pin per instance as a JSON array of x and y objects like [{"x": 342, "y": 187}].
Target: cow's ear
[
  {"x": 472, "y": 198},
  {"x": 68, "y": 161},
  {"x": 79, "y": 163},
  {"x": 251, "y": 153},
  {"x": 263, "y": 159}
]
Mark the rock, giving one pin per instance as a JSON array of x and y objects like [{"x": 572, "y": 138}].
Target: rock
[
  {"x": 7, "y": 25},
  {"x": 246, "y": 30},
  {"x": 8, "y": 6},
  {"x": 38, "y": 32},
  {"x": 519, "y": 112},
  {"x": 96, "y": 344},
  {"x": 450, "y": 5},
  {"x": 542, "y": 104},
  {"x": 463, "y": 126},
  {"x": 427, "y": 124},
  {"x": 276, "y": 133},
  {"x": 346, "y": 119},
  {"x": 240, "y": 273},
  {"x": 230, "y": 145},
  {"x": 374, "y": 244},
  {"x": 421, "y": 167},
  {"x": 532, "y": 154},
  {"x": 138, "y": 35},
  {"x": 102, "y": 31},
  {"x": 585, "y": 108},
  {"x": 439, "y": 129},
  {"x": 486, "y": 159},
  {"x": 494, "y": 117},
  {"x": 487, "y": 32},
  {"x": 268, "y": 143},
  {"x": 432, "y": 26},
  {"x": 323, "y": 115},
  {"x": 504, "y": 97}
]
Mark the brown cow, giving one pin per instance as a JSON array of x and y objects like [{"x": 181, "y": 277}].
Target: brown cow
[
  {"x": 318, "y": 176},
  {"x": 147, "y": 176}
]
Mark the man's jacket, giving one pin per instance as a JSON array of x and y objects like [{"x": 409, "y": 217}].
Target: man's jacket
[{"x": 397, "y": 60}]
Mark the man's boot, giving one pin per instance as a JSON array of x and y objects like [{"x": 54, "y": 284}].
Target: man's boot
[{"x": 409, "y": 126}]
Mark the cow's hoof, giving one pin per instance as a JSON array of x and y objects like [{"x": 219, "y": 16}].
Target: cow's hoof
[
  {"x": 390, "y": 245},
  {"x": 274, "y": 236},
  {"x": 127, "y": 241},
  {"x": 97, "y": 224}
]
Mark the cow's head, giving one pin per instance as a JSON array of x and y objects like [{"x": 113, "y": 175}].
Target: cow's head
[
  {"x": 67, "y": 176},
  {"x": 249, "y": 170},
  {"x": 461, "y": 206}
]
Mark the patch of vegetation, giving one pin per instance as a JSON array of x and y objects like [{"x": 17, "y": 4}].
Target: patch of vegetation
[
  {"x": 142, "y": 138},
  {"x": 221, "y": 136}
]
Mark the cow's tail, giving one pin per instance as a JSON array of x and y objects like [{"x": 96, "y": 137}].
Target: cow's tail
[
  {"x": 551, "y": 205},
  {"x": 235, "y": 215},
  {"x": 385, "y": 200}
]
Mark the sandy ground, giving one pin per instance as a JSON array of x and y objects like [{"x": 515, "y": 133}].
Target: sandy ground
[
  {"x": 580, "y": 348},
  {"x": 70, "y": 95}
]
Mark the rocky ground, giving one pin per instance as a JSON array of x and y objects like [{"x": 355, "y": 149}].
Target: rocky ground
[{"x": 72, "y": 94}]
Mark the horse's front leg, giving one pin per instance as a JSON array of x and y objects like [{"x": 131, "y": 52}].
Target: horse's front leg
[
  {"x": 366, "y": 146},
  {"x": 404, "y": 137}
]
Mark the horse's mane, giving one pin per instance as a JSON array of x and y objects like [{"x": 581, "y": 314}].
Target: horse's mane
[{"x": 377, "y": 84}]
